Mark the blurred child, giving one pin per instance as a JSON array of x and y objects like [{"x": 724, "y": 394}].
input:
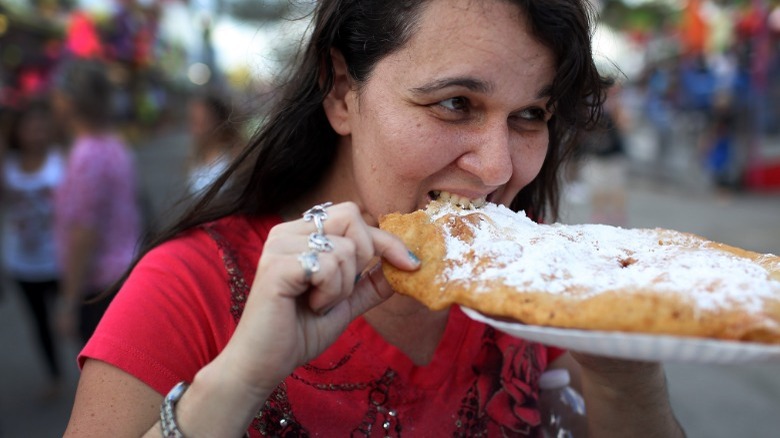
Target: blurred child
[{"x": 31, "y": 170}]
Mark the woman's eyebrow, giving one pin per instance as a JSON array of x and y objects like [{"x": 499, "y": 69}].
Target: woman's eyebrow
[
  {"x": 545, "y": 91},
  {"x": 472, "y": 84}
]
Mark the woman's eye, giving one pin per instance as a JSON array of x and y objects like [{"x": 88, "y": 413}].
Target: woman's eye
[
  {"x": 455, "y": 104},
  {"x": 533, "y": 114}
]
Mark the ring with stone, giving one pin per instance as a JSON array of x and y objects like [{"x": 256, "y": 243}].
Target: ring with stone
[
  {"x": 320, "y": 243},
  {"x": 318, "y": 214},
  {"x": 310, "y": 264}
]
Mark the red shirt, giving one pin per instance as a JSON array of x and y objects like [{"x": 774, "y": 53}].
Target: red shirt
[{"x": 180, "y": 306}]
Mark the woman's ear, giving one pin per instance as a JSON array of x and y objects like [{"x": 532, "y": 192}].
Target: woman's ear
[{"x": 337, "y": 101}]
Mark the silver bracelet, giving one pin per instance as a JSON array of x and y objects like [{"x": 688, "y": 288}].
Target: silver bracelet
[
  {"x": 168, "y": 424},
  {"x": 170, "y": 429}
]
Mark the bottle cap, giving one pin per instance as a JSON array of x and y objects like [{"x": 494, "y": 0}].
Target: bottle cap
[{"x": 557, "y": 378}]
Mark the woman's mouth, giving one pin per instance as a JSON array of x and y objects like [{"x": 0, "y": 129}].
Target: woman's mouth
[{"x": 463, "y": 202}]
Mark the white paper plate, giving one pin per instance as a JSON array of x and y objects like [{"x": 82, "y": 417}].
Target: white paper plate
[{"x": 657, "y": 348}]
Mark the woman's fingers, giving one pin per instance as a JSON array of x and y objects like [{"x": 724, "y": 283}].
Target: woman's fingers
[
  {"x": 345, "y": 220},
  {"x": 292, "y": 317},
  {"x": 393, "y": 250},
  {"x": 370, "y": 290},
  {"x": 334, "y": 282},
  {"x": 326, "y": 265}
]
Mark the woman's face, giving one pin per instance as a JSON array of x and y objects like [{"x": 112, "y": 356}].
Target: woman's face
[{"x": 461, "y": 109}]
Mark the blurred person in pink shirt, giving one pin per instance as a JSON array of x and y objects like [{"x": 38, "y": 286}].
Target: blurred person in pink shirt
[{"x": 97, "y": 217}]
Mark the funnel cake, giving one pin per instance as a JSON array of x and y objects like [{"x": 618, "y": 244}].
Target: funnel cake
[{"x": 593, "y": 277}]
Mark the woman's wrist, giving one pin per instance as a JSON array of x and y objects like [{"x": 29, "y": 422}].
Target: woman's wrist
[{"x": 215, "y": 404}]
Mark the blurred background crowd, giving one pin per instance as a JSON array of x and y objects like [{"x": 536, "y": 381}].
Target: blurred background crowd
[
  {"x": 112, "y": 110},
  {"x": 706, "y": 76}
]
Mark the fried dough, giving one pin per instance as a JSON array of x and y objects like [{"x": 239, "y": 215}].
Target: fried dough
[{"x": 590, "y": 276}]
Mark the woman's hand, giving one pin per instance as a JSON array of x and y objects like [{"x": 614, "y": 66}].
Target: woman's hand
[{"x": 289, "y": 319}]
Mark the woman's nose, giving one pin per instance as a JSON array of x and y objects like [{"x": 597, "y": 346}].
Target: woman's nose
[{"x": 489, "y": 156}]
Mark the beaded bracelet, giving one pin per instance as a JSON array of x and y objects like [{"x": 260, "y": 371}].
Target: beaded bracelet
[
  {"x": 170, "y": 429},
  {"x": 168, "y": 424}
]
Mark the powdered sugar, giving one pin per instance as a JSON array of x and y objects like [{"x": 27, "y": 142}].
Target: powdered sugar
[{"x": 589, "y": 259}]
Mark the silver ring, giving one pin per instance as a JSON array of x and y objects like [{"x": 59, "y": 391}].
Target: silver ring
[
  {"x": 309, "y": 263},
  {"x": 318, "y": 214},
  {"x": 320, "y": 243}
]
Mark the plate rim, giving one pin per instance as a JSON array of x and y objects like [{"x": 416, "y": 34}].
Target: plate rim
[{"x": 754, "y": 351}]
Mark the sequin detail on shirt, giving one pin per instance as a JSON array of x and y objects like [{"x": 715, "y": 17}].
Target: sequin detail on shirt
[{"x": 239, "y": 288}]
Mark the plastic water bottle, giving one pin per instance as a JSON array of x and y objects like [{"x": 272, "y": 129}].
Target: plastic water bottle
[{"x": 563, "y": 409}]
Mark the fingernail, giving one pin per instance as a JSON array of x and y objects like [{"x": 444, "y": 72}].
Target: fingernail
[{"x": 413, "y": 257}]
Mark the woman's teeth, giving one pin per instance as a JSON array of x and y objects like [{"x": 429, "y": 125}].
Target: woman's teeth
[{"x": 457, "y": 200}]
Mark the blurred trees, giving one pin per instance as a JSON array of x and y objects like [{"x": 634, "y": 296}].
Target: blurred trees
[
  {"x": 257, "y": 10},
  {"x": 637, "y": 15}
]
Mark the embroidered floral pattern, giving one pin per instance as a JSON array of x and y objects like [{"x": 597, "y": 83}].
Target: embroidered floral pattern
[{"x": 505, "y": 391}]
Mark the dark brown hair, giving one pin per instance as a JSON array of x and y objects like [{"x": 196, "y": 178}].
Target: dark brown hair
[{"x": 86, "y": 84}]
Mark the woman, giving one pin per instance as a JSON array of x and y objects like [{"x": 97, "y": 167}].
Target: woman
[
  {"x": 97, "y": 218},
  {"x": 215, "y": 137},
  {"x": 391, "y": 101},
  {"x": 31, "y": 172}
]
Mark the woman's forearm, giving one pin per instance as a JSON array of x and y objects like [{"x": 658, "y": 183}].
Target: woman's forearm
[{"x": 632, "y": 404}]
